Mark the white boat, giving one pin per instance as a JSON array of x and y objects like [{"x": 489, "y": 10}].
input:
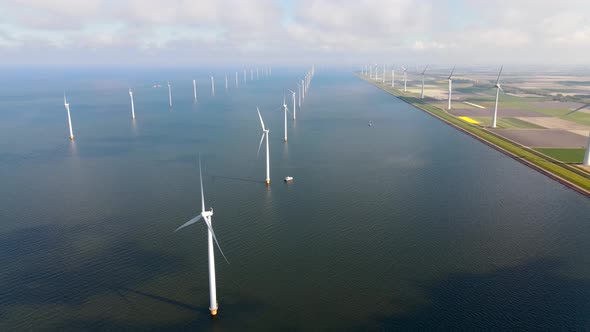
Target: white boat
[{"x": 288, "y": 179}]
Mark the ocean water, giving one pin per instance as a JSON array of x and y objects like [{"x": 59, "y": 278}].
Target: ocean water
[{"x": 408, "y": 224}]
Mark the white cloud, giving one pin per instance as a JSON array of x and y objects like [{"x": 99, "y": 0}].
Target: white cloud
[{"x": 346, "y": 30}]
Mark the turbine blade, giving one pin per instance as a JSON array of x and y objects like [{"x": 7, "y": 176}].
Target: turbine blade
[
  {"x": 260, "y": 145},
  {"x": 190, "y": 222},
  {"x": 577, "y": 109},
  {"x": 500, "y": 73},
  {"x": 452, "y": 71},
  {"x": 201, "y": 181},
  {"x": 260, "y": 116},
  {"x": 425, "y": 69},
  {"x": 215, "y": 239}
]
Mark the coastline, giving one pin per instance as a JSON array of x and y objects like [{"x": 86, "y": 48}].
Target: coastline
[{"x": 568, "y": 175}]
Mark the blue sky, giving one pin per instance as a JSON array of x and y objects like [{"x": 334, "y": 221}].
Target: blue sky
[{"x": 292, "y": 32}]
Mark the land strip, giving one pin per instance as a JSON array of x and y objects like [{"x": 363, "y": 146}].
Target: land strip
[{"x": 569, "y": 175}]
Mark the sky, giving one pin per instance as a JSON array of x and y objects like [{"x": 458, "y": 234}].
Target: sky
[{"x": 337, "y": 32}]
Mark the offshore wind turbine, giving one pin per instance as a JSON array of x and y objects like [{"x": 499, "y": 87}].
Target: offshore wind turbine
[
  {"x": 226, "y": 81},
  {"x": 195, "y": 91},
  {"x": 383, "y": 81},
  {"x": 294, "y": 105},
  {"x": 393, "y": 77},
  {"x": 251, "y": 74},
  {"x": 265, "y": 132},
  {"x": 303, "y": 89},
  {"x": 169, "y": 94},
  {"x": 206, "y": 216},
  {"x": 299, "y": 94},
  {"x": 244, "y": 75},
  {"x": 451, "y": 87},
  {"x": 67, "y": 107},
  {"x": 237, "y": 84},
  {"x": 132, "y": 105},
  {"x": 422, "y": 91},
  {"x": 212, "y": 86},
  {"x": 285, "y": 108},
  {"x": 256, "y": 73},
  {"x": 498, "y": 88}
]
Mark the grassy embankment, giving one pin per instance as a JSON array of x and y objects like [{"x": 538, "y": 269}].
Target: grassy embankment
[
  {"x": 567, "y": 174},
  {"x": 570, "y": 156}
]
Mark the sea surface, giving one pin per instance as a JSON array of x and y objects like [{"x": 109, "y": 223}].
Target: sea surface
[{"x": 408, "y": 224}]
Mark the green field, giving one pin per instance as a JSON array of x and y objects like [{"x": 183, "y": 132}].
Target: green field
[
  {"x": 570, "y": 156},
  {"x": 568, "y": 173}
]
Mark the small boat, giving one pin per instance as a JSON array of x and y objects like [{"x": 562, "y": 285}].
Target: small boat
[
  {"x": 288, "y": 179},
  {"x": 370, "y": 124}
]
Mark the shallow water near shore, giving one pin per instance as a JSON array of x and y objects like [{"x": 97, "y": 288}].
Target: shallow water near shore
[{"x": 407, "y": 224}]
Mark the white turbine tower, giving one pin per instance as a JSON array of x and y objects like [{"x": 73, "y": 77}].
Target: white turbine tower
[
  {"x": 370, "y": 71},
  {"x": 169, "y": 94},
  {"x": 303, "y": 90},
  {"x": 132, "y": 105},
  {"x": 294, "y": 105},
  {"x": 265, "y": 132},
  {"x": 383, "y": 81},
  {"x": 212, "y": 86},
  {"x": 244, "y": 75},
  {"x": 206, "y": 216},
  {"x": 237, "y": 84},
  {"x": 67, "y": 106},
  {"x": 195, "y": 91},
  {"x": 405, "y": 78},
  {"x": 451, "y": 87},
  {"x": 498, "y": 88},
  {"x": 226, "y": 81},
  {"x": 256, "y": 73},
  {"x": 251, "y": 74},
  {"x": 586, "y": 161},
  {"x": 299, "y": 94},
  {"x": 422, "y": 91},
  {"x": 285, "y": 108}
]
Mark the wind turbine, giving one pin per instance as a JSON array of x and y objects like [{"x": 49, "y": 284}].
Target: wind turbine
[
  {"x": 422, "y": 92},
  {"x": 299, "y": 94},
  {"x": 169, "y": 94},
  {"x": 67, "y": 106},
  {"x": 212, "y": 86},
  {"x": 405, "y": 78},
  {"x": 226, "y": 81},
  {"x": 294, "y": 106},
  {"x": 244, "y": 75},
  {"x": 256, "y": 73},
  {"x": 285, "y": 108},
  {"x": 587, "y": 154},
  {"x": 265, "y": 132},
  {"x": 251, "y": 74},
  {"x": 498, "y": 88},
  {"x": 206, "y": 216},
  {"x": 451, "y": 87},
  {"x": 383, "y": 81},
  {"x": 132, "y": 105},
  {"x": 392, "y": 77},
  {"x": 195, "y": 90},
  {"x": 303, "y": 89},
  {"x": 237, "y": 84}
]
